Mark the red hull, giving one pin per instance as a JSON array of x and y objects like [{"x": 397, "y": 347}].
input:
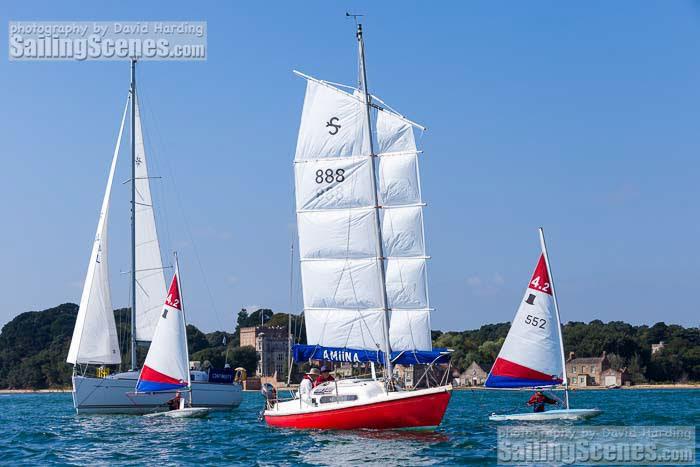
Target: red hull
[{"x": 411, "y": 412}]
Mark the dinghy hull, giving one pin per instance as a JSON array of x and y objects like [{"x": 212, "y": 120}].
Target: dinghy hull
[
  {"x": 418, "y": 409},
  {"x": 187, "y": 412},
  {"x": 563, "y": 414}
]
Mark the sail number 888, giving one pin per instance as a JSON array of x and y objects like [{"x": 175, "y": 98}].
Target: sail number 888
[{"x": 329, "y": 176}]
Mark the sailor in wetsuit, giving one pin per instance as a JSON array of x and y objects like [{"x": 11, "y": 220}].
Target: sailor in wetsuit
[{"x": 538, "y": 400}]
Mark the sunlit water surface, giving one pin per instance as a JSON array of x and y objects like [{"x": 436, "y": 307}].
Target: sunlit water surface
[{"x": 43, "y": 429}]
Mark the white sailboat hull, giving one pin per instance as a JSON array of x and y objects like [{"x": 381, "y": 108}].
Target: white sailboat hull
[
  {"x": 562, "y": 414},
  {"x": 115, "y": 395}
]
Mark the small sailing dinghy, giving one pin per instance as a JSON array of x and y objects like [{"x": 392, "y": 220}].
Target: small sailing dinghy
[
  {"x": 532, "y": 356},
  {"x": 363, "y": 263},
  {"x": 166, "y": 369}
]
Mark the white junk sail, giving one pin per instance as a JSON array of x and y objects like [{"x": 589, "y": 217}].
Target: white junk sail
[
  {"x": 336, "y": 219},
  {"x": 95, "y": 334},
  {"x": 402, "y": 233},
  {"x": 150, "y": 282}
]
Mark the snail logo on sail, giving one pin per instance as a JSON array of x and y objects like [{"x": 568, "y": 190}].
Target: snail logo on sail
[{"x": 334, "y": 126}]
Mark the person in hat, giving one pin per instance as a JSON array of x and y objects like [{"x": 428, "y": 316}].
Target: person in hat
[
  {"x": 307, "y": 384},
  {"x": 324, "y": 377}
]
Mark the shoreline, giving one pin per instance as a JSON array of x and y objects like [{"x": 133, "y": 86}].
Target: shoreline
[
  {"x": 603, "y": 388},
  {"x": 456, "y": 388},
  {"x": 33, "y": 391}
]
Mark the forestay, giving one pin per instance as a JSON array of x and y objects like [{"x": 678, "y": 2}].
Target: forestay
[
  {"x": 167, "y": 363},
  {"x": 337, "y": 222},
  {"x": 531, "y": 355},
  {"x": 95, "y": 334},
  {"x": 150, "y": 281}
]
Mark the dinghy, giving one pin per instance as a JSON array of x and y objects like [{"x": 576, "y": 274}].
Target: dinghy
[
  {"x": 185, "y": 412},
  {"x": 166, "y": 369},
  {"x": 363, "y": 263},
  {"x": 532, "y": 356},
  {"x": 557, "y": 414}
]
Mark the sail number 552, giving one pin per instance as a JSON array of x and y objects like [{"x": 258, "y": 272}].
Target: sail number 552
[
  {"x": 535, "y": 321},
  {"x": 329, "y": 176}
]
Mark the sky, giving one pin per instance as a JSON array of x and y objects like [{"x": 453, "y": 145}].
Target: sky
[{"x": 581, "y": 117}]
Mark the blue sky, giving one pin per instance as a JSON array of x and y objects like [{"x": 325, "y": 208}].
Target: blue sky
[{"x": 580, "y": 117}]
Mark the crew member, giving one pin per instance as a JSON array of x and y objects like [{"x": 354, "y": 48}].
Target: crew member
[
  {"x": 307, "y": 384},
  {"x": 538, "y": 400},
  {"x": 325, "y": 376}
]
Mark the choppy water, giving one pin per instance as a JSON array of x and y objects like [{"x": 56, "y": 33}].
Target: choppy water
[{"x": 43, "y": 429}]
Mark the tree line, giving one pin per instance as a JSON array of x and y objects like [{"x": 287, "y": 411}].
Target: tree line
[
  {"x": 626, "y": 346},
  {"x": 34, "y": 346}
]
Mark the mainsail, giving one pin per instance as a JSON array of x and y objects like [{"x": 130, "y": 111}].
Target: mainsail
[
  {"x": 167, "y": 363},
  {"x": 341, "y": 258},
  {"x": 95, "y": 334},
  {"x": 150, "y": 282},
  {"x": 531, "y": 355}
]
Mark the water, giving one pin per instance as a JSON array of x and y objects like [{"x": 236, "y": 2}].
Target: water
[{"x": 43, "y": 429}]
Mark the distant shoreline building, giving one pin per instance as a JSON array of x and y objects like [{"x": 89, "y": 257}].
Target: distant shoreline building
[
  {"x": 586, "y": 371},
  {"x": 271, "y": 345},
  {"x": 474, "y": 375},
  {"x": 657, "y": 347}
]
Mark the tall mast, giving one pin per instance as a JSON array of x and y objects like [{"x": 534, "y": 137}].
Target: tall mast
[
  {"x": 133, "y": 215},
  {"x": 380, "y": 243},
  {"x": 289, "y": 324},
  {"x": 556, "y": 309},
  {"x": 184, "y": 324}
]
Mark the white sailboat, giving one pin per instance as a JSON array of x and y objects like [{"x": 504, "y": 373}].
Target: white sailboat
[
  {"x": 532, "y": 356},
  {"x": 166, "y": 369},
  {"x": 95, "y": 341},
  {"x": 363, "y": 262}
]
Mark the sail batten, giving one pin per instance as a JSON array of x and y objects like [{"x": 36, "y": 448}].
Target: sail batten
[{"x": 350, "y": 281}]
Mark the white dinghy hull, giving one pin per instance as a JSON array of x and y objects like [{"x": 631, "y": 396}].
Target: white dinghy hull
[
  {"x": 562, "y": 414},
  {"x": 187, "y": 412}
]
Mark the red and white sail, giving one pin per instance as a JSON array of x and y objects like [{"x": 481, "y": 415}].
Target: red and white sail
[
  {"x": 531, "y": 355},
  {"x": 167, "y": 364}
]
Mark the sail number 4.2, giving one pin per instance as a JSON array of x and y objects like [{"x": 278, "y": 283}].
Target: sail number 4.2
[
  {"x": 329, "y": 176},
  {"x": 537, "y": 285},
  {"x": 535, "y": 321}
]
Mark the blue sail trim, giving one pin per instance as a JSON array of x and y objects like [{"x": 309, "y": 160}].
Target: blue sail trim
[
  {"x": 304, "y": 353},
  {"x": 510, "y": 382}
]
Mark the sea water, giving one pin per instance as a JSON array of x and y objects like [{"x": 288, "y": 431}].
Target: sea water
[{"x": 44, "y": 429}]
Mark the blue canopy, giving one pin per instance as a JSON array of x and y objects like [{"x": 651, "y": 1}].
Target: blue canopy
[{"x": 303, "y": 353}]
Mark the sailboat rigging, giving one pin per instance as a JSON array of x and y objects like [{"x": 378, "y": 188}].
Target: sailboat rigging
[
  {"x": 95, "y": 341},
  {"x": 363, "y": 261},
  {"x": 532, "y": 356}
]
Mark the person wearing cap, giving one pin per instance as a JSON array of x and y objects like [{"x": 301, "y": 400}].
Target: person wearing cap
[
  {"x": 325, "y": 376},
  {"x": 307, "y": 384}
]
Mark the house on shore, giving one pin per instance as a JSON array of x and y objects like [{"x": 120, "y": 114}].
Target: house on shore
[
  {"x": 474, "y": 375},
  {"x": 586, "y": 371}
]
